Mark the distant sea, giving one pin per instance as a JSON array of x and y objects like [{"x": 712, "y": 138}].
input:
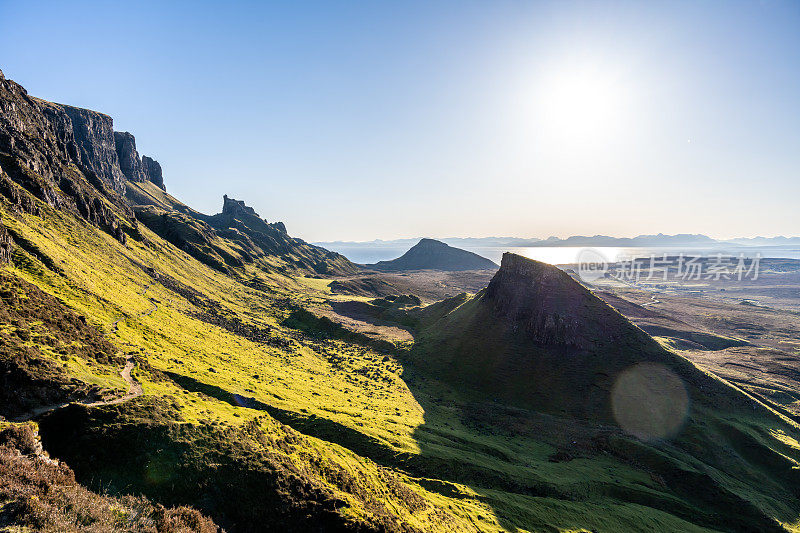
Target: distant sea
[{"x": 372, "y": 253}]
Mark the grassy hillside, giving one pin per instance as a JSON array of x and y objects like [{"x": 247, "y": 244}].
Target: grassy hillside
[
  {"x": 264, "y": 417},
  {"x": 466, "y": 457}
]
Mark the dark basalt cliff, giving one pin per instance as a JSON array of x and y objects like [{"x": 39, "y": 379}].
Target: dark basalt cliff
[
  {"x": 46, "y": 159},
  {"x": 547, "y": 305},
  {"x": 5, "y": 245},
  {"x": 94, "y": 133},
  {"x": 129, "y": 161},
  {"x": 152, "y": 172},
  {"x": 134, "y": 168}
]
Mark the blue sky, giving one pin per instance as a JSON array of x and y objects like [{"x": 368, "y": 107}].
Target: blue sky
[{"x": 362, "y": 120}]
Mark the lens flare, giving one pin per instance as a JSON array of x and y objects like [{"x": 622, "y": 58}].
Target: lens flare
[{"x": 649, "y": 401}]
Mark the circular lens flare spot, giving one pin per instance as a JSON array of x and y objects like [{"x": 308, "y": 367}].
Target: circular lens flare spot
[{"x": 649, "y": 401}]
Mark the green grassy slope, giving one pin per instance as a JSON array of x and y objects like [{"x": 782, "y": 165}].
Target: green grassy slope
[
  {"x": 537, "y": 340},
  {"x": 511, "y": 467},
  {"x": 217, "y": 330},
  {"x": 267, "y": 423}
]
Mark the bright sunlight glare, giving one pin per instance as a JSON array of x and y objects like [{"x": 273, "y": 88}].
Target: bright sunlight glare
[{"x": 582, "y": 105}]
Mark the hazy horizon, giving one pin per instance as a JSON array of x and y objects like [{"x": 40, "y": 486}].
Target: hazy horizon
[
  {"x": 562, "y": 237},
  {"x": 375, "y": 120}
]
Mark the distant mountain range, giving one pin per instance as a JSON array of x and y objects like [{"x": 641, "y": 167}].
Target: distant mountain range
[{"x": 683, "y": 239}]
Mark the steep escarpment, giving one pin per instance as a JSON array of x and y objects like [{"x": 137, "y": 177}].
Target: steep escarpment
[
  {"x": 49, "y": 159},
  {"x": 70, "y": 158},
  {"x": 134, "y": 168},
  {"x": 6, "y": 245},
  {"x": 152, "y": 172},
  {"x": 94, "y": 135},
  {"x": 537, "y": 338},
  {"x": 430, "y": 254}
]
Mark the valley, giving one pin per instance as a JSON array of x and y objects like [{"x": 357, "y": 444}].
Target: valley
[{"x": 230, "y": 376}]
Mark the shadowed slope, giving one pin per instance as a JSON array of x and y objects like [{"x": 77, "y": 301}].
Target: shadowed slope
[
  {"x": 538, "y": 339},
  {"x": 537, "y": 355},
  {"x": 232, "y": 239}
]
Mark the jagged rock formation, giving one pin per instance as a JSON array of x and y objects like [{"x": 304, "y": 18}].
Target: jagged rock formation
[
  {"x": 94, "y": 133},
  {"x": 136, "y": 169},
  {"x": 152, "y": 172},
  {"x": 236, "y": 237},
  {"x": 49, "y": 157},
  {"x": 5, "y": 239},
  {"x": 537, "y": 338},
  {"x": 242, "y": 225},
  {"x": 129, "y": 162},
  {"x": 430, "y": 254},
  {"x": 235, "y": 212}
]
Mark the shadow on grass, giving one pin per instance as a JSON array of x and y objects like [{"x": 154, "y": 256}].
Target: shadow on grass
[
  {"x": 476, "y": 456},
  {"x": 418, "y": 465}
]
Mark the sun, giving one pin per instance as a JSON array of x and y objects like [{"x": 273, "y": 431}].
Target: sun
[{"x": 582, "y": 104}]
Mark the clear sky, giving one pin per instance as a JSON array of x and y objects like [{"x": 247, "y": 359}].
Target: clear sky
[{"x": 360, "y": 120}]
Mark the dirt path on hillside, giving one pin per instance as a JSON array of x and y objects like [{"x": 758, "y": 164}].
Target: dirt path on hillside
[
  {"x": 134, "y": 387},
  {"x": 653, "y": 301}
]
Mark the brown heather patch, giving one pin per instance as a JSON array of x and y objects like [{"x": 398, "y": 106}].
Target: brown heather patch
[
  {"x": 41, "y": 494},
  {"x": 38, "y": 334}
]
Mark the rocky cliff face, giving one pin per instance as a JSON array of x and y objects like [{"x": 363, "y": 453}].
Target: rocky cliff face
[
  {"x": 94, "y": 133},
  {"x": 72, "y": 159},
  {"x": 5, "y": 240},
  {"x": 550, "y": 307},
  {"x": 49, "y": 159},
  {"x": 134, "y": 168},
  {"x": 129, "y": 161},
  {"x": 235, "y": 208},
  {"x": 152, "y": 172}
]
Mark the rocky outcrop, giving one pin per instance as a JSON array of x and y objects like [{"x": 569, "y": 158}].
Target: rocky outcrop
[
  {"x": 236, "y": 208},
  {"x": 46, "y": 160},
  {"x": 236, "y": 211},
  {"x": 430, "y": 254},
  {"x": 238, "y": 236},
  {"x": 94, "y": 134},
  {"x": 136, "y": 169},
  {"x": 547, "y": 305},
  {"x": 129, "y": 161},
  {"x": 5, "y": 243},
  {"x": 152, "y": 172}
]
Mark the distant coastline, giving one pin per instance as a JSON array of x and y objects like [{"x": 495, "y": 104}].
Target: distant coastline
[
  {"x": 576, "y": 240},
  {"x": 561, "y": 251}
]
